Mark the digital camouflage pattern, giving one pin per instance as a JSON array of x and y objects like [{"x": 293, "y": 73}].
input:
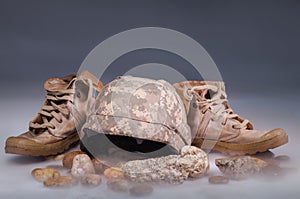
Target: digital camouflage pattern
[{"x": 141, "y": 108}]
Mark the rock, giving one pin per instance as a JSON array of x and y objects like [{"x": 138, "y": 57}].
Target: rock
[
  {"x": 118, "y": 185},
  {"x": 62, "y": 181},
  {"x": 272, "y": 161},
  {"x": 272, "y": 171},
  {"x": 282, "y": 158},
  {"x": 68, "y": 158},
  {"x": 99, "y": 166},
  {"x": 141, "y": 190},
  {"x": 194, "y": 154},
  {"x": 82, "y": 164},
  {"x": 42, "y": 175},
  {"x": 91, "y": 179},
  {"x": 114, "y": 172},
  {"x": 240, "y": 167},
  {"x": 192, "y": 162},
  {"x": 218, "y": 180}
]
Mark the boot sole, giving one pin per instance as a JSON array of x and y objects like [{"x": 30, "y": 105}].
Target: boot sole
[
  {"x": 242, "y": 149},
  {"x": 14, "y": 146}
]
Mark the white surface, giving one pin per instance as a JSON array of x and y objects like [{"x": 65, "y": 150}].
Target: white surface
[{"x": 16, "y": 180}]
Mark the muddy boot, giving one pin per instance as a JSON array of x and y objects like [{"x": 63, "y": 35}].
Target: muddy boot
[
  {"x": 54, "y": 129},
  {"x": 214, "y": 125}
]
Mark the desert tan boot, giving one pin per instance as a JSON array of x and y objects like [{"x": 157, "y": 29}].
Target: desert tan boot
[
  {"x": 54, "y": 129},
  {"x": 214, "y": 125}
]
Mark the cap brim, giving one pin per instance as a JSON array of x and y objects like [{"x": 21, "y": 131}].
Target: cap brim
[{"x": 133, "y": 128}]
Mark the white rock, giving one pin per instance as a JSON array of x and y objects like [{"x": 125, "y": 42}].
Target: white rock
[
  {"x": 82, "y": 164},
  {"x": 192, "y": 162}
]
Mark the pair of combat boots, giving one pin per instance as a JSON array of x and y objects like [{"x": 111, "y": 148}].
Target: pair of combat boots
[{"x": 213, "y": 124}]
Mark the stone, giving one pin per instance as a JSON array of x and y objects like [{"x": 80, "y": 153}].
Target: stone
[
  {"x": 118, "y": 185},
  {"x": 62, "y": 181},
  {"x": 114, "y": 172},
  {"x": 91, "y": 179},
  {"x": 194, "y": 154},
  {"x": 99, "y": 166},
  {"x": 45, "y": 174},
  {"x": 240, "y": 167},
  {"x": 192, "y": 162},
  {"x": 282, "y": 158},
  {"x": 218, "y": 180},
  {"x": 272, "y": 171},
  {"x": 141, "y": 190},
  {"x": 82, "y": 164},
  {"x": 68, "y": 158}
]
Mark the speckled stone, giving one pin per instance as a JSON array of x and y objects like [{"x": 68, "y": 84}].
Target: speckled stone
[
  {"x": 240, "y": 167},
  {"x": 192, "y": 162},
  {"x": 82, "y": 164}
]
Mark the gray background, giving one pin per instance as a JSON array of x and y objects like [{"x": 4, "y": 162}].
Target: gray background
[{"x": 255, "y": 45}]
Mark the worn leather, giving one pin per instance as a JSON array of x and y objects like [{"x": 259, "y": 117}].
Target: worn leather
[
  {"x": 66, "y": 126},
  {"x": 206, "y": 125}
]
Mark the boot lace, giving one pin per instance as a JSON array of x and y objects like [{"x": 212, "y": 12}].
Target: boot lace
[
  {"x": 57, "y": 106},
  {"x": 52, "y": 108},
  {"x": 218, "y": 104}
]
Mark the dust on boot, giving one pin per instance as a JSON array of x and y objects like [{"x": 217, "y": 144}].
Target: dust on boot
[
  {"x": 54, "y": 128},
  {"x": 214, "y": 125}
]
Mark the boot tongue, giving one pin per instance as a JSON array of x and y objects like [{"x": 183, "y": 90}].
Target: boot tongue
[{"x": 56, "y": 84}]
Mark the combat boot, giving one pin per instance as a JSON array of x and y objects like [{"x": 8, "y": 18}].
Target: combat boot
[
  {"x": 214, "y": 125},
  {"x": 54, "y": 129}
]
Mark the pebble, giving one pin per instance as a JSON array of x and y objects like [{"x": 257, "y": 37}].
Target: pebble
[
  {"x": 44, "y": 174},
  {"x": 272, "y": 171},
  {"x": 62, "y": 181},
  {"x": 141, "y": 190},
  {"x": 91, "y": 179},
  {"x": 218, "y": 180},
  {"x": 99, "y": 166},
  {"x": 199, "y": 159},
  {"x": 68, "y": 158},
  {"x": 282, "y": 158},
  {"x": 118, "y": 185},
  {"x": 82, "y": 164},
  {"x": 114, "y": 173},
  {"x": 272, "y": 161},
  {"x": 240, "y": 167}
]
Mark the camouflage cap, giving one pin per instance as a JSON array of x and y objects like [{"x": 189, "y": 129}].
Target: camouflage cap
[{"x": 141, "y": 108}]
